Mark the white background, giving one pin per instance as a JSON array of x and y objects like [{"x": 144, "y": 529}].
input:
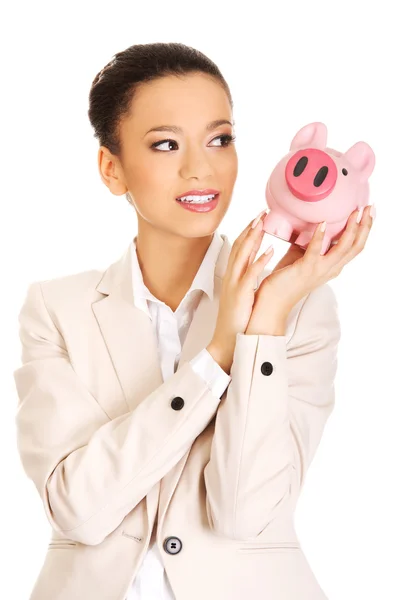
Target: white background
[{"x": 287, "y": 64}]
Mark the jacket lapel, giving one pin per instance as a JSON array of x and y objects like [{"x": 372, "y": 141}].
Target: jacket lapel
[{"x": 128, "y": 332}]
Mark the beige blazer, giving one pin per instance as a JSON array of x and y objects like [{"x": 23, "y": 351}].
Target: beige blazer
[{"x": 108, "y": 444}]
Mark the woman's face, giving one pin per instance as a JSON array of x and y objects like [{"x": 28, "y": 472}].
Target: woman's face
[{"x": 156, "y": 171}]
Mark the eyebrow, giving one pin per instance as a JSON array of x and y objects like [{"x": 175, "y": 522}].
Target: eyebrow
[{"x": 176, "y": 129}]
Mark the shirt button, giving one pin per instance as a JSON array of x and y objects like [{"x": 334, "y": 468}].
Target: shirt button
[
  {"x": 172, "y": 545},
  {"x": 177, "y": 403},
  {"x": 266, "y": 368}
]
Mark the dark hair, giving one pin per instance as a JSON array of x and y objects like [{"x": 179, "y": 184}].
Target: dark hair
[{"x": 114, "y": 87}]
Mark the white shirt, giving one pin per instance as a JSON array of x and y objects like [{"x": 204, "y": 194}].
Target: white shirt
[{"x": 151, "y": 582}]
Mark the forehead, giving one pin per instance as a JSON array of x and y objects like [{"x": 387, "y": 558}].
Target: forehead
[{"x": 190, "y": 100}]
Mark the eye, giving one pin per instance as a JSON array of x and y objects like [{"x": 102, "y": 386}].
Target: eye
[
  {"x": 344, "y": 171},
  {"x": 229, "y": 139},
  {"x": 156, "y": 144}
]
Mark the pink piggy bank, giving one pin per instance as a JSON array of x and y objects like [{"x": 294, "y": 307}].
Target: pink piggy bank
[{"x": 313, "y": 183}]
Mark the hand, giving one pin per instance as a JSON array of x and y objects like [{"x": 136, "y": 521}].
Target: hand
[
  {"x": 301, "y": 270},
  {"x": 237, "y": 293}
]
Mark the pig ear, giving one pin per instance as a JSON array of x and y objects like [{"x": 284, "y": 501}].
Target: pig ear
[
  {"x": 362, "y": 157},
  {"x": 313, "y": 135}
]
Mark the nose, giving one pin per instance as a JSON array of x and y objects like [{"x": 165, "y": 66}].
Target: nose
[
  {"x": 311, "y": 174},
  {"x": 196, "y": 164}
]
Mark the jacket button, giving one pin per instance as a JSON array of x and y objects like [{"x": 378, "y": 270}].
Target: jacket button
[
  {"x": 172, "y": 545},
  {"x": 266, "y": 368},
  {"x": 177, "y": 403}
]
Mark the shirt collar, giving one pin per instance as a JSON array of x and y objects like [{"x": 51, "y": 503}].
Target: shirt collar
[{"x": 203, "y": 280}]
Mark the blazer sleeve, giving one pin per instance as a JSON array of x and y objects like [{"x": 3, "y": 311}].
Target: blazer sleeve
[
  {"x": 271, "y": 420},
  {"x": 91, "y": 471}
]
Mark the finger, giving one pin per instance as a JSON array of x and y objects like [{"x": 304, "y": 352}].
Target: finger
[
  {"x": 313, "y": 250},
  {"x": 237, "y": 243},
  {"x": 363, "y": 231},
  {"x": 239, "y": 240},
  {"x": 251, "y": 258},
  {"x": 240, "y": 263},
  {"x": 256, "y": 246},
  {"x": 337, "y": 253},
  {"x": 257, "y": 267}
]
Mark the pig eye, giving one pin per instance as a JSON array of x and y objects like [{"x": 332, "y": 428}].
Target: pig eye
[{"x": 344, "y": 171}]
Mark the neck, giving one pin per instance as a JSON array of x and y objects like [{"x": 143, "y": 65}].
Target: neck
[{"x": 169, "y": 263}]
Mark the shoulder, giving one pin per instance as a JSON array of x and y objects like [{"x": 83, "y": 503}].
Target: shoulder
[
  {"x": 320, "y": 301},
  {"x": 71, "y": 292},
  {"x": 315, "y": 319},
  {"x": 75, "y": 285}
]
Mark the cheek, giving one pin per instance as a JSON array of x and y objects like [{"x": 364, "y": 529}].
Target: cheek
[
  {"x": 153, "y": 188},
  {"x": 228, "y": 167},
  {"x": 150, "y": 179}
]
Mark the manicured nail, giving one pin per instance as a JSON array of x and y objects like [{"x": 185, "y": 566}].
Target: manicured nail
[
  {"x": 360, "y": 214},
  {"x": 372, "y": 211},
  {"x": 254, "y": 224},
  {"x": 323, "y": 226}
]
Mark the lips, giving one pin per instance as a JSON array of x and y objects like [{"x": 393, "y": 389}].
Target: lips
[{"x": 206, "y": 192}]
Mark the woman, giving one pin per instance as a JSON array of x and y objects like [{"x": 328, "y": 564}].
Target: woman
[{"x": 170, "y": 408}]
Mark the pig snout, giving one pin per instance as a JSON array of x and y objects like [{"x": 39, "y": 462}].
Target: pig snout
[{"x": 311, "y": 174}]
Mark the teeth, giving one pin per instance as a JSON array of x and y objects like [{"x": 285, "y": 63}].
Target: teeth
[{"x": 197, "y": 199}]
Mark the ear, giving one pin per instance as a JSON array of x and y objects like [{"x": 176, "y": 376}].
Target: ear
[
  {"x": 313, "y": 135},
  {"x": 362, "y": 157}
]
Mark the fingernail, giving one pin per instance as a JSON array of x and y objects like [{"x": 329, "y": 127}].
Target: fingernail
[
  {"x": 373, "y": 211},
  {"x": 268, "y": 249},
  {"x": 254, "y": 224},
  {"x": 360, "y": 214},
  {"x": 323, "y": 226}
]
